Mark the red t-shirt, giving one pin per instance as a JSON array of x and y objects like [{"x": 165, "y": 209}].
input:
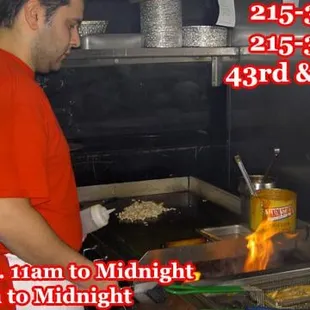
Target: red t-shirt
[{"x": 34, "y": 155}]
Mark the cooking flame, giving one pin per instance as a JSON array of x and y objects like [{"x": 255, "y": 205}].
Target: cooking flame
[{"x": 260, "y": 245}]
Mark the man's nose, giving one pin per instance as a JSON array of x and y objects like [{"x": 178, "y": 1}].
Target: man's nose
[{"x": 75, "y": 39}]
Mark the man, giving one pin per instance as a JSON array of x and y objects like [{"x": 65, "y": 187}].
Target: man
[{"x": 39, "y": 209}]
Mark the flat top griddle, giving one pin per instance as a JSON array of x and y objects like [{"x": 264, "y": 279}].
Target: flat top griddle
[{"x": 192, "y": 213}]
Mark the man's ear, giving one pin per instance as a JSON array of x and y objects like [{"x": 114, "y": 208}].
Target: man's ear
[{"x": 34, "y": 14}]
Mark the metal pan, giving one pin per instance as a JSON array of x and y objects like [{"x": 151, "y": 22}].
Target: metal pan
[{"x": 225, "y": 232}]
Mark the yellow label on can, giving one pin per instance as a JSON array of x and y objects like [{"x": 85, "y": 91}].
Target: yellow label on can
[{"x": 276, "y": 205}]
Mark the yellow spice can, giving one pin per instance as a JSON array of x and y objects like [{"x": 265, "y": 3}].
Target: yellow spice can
[{"x": 278, "y": 206}]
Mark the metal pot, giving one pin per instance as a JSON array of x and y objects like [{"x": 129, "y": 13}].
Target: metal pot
[
  {"x": 258, "y": 183},
  {"x": 92, "y": 27}
]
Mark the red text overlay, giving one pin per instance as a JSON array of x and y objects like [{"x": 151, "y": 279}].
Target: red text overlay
[
  {"x": 283, "y": 45},
  {"x": 58, "y": 294}
]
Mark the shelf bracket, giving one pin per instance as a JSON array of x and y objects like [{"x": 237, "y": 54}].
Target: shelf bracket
[{"x": 216, "y": 72}]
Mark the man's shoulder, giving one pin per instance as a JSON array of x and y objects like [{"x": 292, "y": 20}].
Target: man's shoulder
[{"x": 19, "y": 85}]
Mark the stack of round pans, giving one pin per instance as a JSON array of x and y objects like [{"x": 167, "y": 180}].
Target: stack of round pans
[
  {"x": 204, "y": 36},
  {"x": 161, "y": 23}
]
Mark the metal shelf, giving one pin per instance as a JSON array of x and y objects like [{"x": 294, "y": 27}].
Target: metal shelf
[{"x": 109, "y": 57}]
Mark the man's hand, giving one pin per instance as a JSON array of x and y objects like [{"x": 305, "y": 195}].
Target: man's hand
[
  {"x": 28, "y": 236},
  {"x": 102, "y": 285}
]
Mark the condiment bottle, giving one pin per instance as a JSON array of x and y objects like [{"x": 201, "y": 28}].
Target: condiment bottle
[{"x": 94, "y": 218}]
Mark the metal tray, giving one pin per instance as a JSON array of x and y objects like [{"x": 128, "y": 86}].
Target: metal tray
[
  {"x": 225, "y": 232},
  {"x": 302, "y": 302},
  {"x": 274, "y": 279}
]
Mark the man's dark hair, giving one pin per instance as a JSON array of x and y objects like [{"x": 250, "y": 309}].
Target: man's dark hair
[{"x": 10, "y": 8}]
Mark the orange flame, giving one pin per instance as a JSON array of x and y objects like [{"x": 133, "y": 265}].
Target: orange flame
[{"x": 260, "y": 247}]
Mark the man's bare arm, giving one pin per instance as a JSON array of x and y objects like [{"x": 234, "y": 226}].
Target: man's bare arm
[{"x": 27, "y": 235}]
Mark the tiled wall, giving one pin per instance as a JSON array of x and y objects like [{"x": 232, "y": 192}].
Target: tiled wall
[{"x": 142, "y": 121}]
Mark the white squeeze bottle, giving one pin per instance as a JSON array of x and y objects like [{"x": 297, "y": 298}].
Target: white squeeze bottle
[{"x": 94, "y": 218}]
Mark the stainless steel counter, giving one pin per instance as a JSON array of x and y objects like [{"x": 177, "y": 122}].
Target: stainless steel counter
[{"x": 164, "y": 186}]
